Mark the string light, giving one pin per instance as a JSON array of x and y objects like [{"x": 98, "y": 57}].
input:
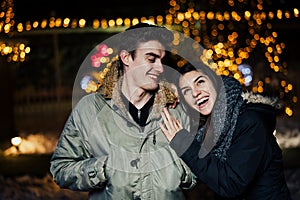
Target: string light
[
  {"x": 15, "y": 52},
  {"x": 225, "y": 35},
  {"x": 216, "y": 31}
]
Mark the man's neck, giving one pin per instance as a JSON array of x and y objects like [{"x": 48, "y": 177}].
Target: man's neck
[{"x": 137, "y": 96}]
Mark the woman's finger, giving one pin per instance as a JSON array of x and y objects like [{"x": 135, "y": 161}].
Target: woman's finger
[
  {"x": 170, "y": 118},
  {"x": 179, "y": 126},
  {"x": 170, "y": 126},
  {"x": 166, "y": 121},
  {"x": 165, "y": 131}
]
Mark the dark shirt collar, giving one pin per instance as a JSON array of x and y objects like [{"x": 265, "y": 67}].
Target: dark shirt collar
[{"x": 140, "y": 116}]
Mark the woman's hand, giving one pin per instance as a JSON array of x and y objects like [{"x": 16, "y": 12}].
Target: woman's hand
[{"x": 170, "y": 126}]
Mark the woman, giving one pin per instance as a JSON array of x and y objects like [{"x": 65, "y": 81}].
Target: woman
[{"x": 234, "y": 151}]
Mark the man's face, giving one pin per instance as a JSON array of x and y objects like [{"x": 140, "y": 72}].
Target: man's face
[{"x": 145, "y": 68}]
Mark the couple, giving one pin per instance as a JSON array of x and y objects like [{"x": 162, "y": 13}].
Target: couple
[{"x": 117, "y": 143}]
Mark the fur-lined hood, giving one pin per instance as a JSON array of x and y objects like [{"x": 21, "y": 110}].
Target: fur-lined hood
[
  {"x": 165, "y": 95},
  {"x": 250, "y": 97}
]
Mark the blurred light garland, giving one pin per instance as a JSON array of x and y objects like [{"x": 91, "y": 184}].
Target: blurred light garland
[
  {"x": 229, "y": 32},
  {"x": 15, "y": 51}
]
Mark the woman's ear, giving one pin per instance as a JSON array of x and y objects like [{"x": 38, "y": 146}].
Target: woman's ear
[{"x": 125, "y": 56}]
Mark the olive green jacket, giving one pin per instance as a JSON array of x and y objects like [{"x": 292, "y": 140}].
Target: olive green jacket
[{"x": 102, "y": 150}]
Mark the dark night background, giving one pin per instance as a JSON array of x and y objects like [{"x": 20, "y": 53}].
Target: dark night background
[
  {"x": 20, "y": 81},
  {"x": 35, "y": 99},
  {"x": 89, "y": 9},
  {"x": 74, "y": 47}
]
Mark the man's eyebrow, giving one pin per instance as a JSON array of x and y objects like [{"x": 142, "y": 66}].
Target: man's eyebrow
[{"x": 152, "y": 54}]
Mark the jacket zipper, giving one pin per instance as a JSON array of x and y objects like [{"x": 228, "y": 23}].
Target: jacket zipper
[{"x": 139, "y": 116}]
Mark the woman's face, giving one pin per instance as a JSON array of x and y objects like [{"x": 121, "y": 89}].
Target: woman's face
[{"x": 198, "y": 91}]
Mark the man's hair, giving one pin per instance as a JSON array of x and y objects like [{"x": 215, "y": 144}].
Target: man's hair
[{"x": 141, "y": 33}]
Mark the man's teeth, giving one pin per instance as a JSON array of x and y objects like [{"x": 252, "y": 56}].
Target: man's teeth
[
  {"x": 201, "y": 101},
  {"x": 153, "y": 76}
]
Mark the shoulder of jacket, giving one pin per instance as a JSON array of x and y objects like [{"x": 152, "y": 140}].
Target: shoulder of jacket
[
  {"x": 90, "y": 101},
  {"x": 258, "y": 109}
]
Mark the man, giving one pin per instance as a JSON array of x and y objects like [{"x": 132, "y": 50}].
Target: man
[{"x": 112, "y": 145}]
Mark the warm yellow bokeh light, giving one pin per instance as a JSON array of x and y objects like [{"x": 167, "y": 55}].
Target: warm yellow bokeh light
[{"x": 16, "y": 141}]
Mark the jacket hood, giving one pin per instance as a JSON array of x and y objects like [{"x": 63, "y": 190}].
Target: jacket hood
[
  {"x": 249, "y": 97},
  {"x": 267, "y": 105},
  {"x": 163, "y": 96}
]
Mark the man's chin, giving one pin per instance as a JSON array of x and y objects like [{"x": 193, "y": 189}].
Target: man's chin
[{"x": 151, "y": 86}]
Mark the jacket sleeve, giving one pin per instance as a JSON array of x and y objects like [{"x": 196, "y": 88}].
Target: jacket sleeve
[
  {"x": 188, "y": 179},
  {"x": 72, "y": 164},
  {"x": 247, "y": 156}
]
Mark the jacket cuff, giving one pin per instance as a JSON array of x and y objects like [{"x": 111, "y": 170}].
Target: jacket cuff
[
  {"x": 182, "y": 141},
  {"x": 96, "y": 172}
]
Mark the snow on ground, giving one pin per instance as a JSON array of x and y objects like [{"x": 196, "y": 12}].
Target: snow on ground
[
  {"x": 35, "y": 188},
  {"x": 288, "y": 139}
]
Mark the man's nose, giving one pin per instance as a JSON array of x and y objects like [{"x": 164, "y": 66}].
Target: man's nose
[{"x": 159, "y": 67}]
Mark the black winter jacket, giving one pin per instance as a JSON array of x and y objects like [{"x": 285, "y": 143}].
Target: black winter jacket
[{"x": 254, "y": 167}]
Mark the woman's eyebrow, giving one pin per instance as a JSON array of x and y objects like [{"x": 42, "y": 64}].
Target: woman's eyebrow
[{"x": 196, "y": 79}]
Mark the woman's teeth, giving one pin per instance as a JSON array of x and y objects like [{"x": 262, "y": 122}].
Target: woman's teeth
[{"x": 201, "y": 101}]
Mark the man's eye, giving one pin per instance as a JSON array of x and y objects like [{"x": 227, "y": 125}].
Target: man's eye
[{"x": 152, "y": 60}]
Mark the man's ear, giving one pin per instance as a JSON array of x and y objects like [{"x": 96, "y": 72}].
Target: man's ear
[{"x": 125, "y": 56}]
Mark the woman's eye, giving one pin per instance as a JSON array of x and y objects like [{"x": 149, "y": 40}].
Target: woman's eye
[
  {"x": 200, "y": 82},
  {"x": 185, "y": 92}
]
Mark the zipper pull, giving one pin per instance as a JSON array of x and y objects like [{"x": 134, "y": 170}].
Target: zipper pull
[
  {"x": 139, "y": 115},
  {"x": 154, "y": 138}
]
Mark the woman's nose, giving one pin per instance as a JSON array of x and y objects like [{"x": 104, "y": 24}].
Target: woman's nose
[{"x": 196, "y": 91}]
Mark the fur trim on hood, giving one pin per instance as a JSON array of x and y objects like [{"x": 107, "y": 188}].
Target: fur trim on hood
[
  {"x": 165, "y": 95},
  {"x": 249, "y": 97}
]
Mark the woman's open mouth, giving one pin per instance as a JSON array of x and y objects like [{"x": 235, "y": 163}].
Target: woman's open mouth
[{"x": 202, "y": 102}]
